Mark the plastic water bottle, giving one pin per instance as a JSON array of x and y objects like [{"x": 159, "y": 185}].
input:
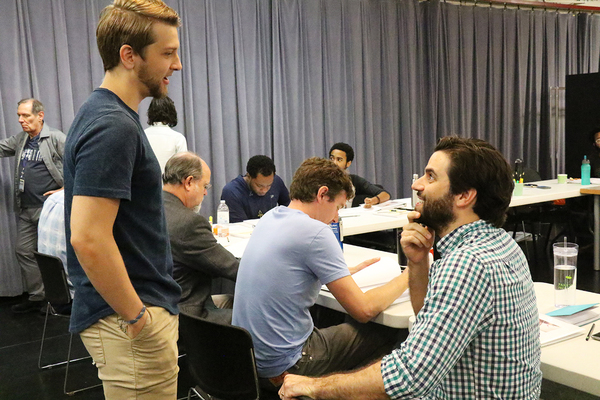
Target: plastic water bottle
[
  {"x": 585, "y": 171},
  {"x": 338, "y": 231},
  {"x": 223, "y": 219},
  {"x": 415, "y": 198}
]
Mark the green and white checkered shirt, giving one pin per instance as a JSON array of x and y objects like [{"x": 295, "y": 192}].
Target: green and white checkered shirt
[{"x": 477, "y": 335}]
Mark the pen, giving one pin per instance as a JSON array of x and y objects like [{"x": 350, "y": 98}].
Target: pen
[
  {"x": 537, "y": 186},
  {"x": 590, "y": 332},
  {"x": 403, "y": 208}
]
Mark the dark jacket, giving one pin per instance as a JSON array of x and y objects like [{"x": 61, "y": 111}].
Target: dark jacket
[{"x": 197, "y": 258}]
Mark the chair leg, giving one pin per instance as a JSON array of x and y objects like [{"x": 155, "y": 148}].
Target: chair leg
[
  {"x": 198, "y": 395},
  {"x": 42, "y": 343},
  {"x": 525, "y": 237},
  {"x": 69, "y": 361}
]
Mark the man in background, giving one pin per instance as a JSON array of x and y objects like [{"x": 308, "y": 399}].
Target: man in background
[
  {"x": 343, "y": 154},
  {"x": 165, "y": 141},
  {"x": 197, "y": 257},
  {"x": 38, "y": 152},
  {"x": 51, "y": 236},
  {"x": 292, "y": 252},
  {"x": 252, "y": 195},
  {"x": 118, "y": 251},
  {"x": 476, "y": 334}
]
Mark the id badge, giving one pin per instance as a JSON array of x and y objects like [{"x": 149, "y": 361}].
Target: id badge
[{"x": 21, "y": 185}]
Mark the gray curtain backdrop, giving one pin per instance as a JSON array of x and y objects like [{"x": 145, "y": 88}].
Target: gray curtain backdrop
[{"x": 288, "y": 78}]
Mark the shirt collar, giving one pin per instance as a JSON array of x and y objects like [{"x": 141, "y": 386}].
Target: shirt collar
[{"x": 452, "y": 240}]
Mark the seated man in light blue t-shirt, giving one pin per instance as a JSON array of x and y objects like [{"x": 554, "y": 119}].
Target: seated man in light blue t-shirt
[{"x": 291, "y": 253}]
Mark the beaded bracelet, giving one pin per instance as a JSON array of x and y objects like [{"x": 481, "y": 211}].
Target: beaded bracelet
[{"x": 123, "y": 324}]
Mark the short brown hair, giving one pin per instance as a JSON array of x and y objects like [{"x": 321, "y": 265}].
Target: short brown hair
[
  {"x": 476, "y": 164},
  {"x": 316, "y": 172},
  {"x": 130, "y": 22}
]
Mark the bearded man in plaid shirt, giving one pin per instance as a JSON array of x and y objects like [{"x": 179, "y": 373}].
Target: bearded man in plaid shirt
[{"x": 476, "y": 334}]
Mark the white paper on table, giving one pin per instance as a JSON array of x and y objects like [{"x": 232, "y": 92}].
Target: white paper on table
[
  {"x": 390, "y": 205},
  {"x": 236, "y": 247},
  {"x": 378, "y": 274},
  {"x": 241, "y": 229},
  {"x": 553, "y": 330},
  {"x": 594, "y": 181}
]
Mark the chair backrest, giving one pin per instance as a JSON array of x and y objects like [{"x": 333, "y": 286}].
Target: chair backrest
[
  {"x": 531, "y": 175},
  {"x": 54, "y": 278},
  {"x": 220, "y": 357}
]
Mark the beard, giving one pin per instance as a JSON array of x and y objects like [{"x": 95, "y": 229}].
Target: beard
[
  {"x": 197, "y": 208},
  {"x": 437, "y": 213},
  {"x": 153, "y": 85}
]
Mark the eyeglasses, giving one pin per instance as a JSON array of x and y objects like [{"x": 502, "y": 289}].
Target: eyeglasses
[
  {"x": 597, "y": 141},
  {"x": 207, "y": 187}
]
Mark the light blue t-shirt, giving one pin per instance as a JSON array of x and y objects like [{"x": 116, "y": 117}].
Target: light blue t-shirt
[{"x": 288, "y": 258}]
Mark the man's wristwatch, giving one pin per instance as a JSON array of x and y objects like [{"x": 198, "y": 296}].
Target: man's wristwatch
[{"x": 123, "y": 324}]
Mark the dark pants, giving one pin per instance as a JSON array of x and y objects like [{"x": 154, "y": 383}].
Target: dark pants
[
  {"x": 343, "y": 347},
  {"x": 27, "y": 237}
]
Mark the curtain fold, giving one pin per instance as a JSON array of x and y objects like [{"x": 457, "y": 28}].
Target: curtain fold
[{"x": 288, "y": 78}]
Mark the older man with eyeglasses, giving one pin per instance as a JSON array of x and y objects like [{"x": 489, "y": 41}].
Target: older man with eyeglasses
[{"x": 197, "y": 257}]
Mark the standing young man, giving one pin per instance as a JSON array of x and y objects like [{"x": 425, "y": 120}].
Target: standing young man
[
  {"x": 476, "y": 335},
  {"x": 125, "y": 307}
]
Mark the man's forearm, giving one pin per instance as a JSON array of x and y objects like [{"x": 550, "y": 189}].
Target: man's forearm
[
  {"x": 383, "y": 296},
  {"x": 364, "y": 384},
  {"x": 418, "y": 279},
  {"x": 383, "y": 196}
]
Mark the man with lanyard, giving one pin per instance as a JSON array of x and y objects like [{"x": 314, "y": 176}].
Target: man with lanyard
[{"x": 38, "y": 152}]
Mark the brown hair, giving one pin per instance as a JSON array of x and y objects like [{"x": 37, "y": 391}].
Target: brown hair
[
  {"x": 316, "y": 172},
  {"x": 130, "y": 22},
  {"x": 476, "y": 164}
]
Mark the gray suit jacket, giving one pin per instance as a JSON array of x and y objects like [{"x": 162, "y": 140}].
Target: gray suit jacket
[
  {"x": 52, "y": 148},
  {"x": 197, "y": 258}
]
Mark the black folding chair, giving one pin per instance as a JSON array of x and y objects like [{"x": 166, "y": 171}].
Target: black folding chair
[
  {"x": 220, "y": 358},
  {"x": 57, "y": 294}
]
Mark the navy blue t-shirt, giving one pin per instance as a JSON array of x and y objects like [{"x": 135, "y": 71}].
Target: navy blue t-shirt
[
  {"x": 36, "y": 177},
  {"x": 244, "y": 204},
  {"x": 108, "y": 155}
]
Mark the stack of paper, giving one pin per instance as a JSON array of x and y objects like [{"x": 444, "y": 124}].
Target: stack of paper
[
  {"x": 553, "y": 330},
  {"x": 577, "y": 315},
  {"x": 242, "y": 229},
  {"x": 378, "y": 274}
]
